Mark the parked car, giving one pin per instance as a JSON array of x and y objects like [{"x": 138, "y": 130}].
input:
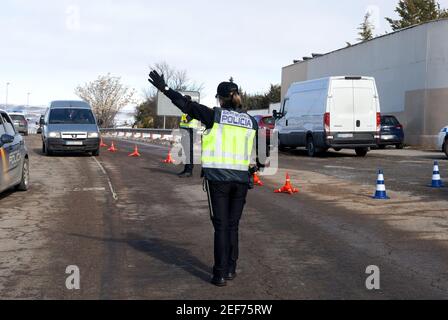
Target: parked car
[
  {"x": 70, "y": 126},
  {"x": 20, "y": 123},
  {"x": 266, "y": 126},
  {"x": 40, "y": 124},
  {"x": 392, "y": 133},
  {"x": 443, "y": 140},
  {"x": 334, "y": 112},
  {"x": 14, "y": 161}
]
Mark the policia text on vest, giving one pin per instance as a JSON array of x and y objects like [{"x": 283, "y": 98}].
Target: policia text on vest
[{"x": 226, "y": 160}]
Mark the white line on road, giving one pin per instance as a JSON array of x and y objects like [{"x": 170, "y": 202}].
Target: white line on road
[
  {"x": 111, "y": 187},
  {"x": 339, "y": 167}
]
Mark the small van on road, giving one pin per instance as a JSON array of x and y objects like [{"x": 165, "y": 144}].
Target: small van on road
[
  {"x": 335, "y": 112},
  {"x": 70, "y": 126}
]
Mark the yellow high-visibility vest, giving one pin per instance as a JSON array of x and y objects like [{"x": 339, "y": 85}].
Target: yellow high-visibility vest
[
  {"x": 184, "y": 123},
  {"x": 227, "y": 147}
]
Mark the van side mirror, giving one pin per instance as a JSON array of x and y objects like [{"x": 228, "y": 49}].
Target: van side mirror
[
  {"x": 6, "y": 138},
  {"x": 277, "y": 115}
]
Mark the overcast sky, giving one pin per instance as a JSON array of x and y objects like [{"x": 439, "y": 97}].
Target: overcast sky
[{"x": 49, "y": 47}]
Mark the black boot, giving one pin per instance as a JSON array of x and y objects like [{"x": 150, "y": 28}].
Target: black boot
[
  {"x": 219, "y": 281},
  {"x": 187, "y": 173},
  {"x": 230, "y": 276}
]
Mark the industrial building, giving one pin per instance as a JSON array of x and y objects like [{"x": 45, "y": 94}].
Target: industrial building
[{"x": 411, "y": 70}]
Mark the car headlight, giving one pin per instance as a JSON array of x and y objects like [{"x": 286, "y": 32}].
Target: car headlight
[
  {"x": 54, "y": 134},
  {"x": 93, "y": 135}
]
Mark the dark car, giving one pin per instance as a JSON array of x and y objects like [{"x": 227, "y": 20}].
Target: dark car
[
  {"x": 392, "y": 133},
  {"x": 20, "y": 123},
  {"x": 266, "y": 126},
  {"x": 14, "y": 163}
]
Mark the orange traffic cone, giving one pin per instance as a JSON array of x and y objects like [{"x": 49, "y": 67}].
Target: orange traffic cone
[
  {"x": 135, "y": 153},
  {"x": 102, "y": 144},
  {"x": 288, "y": 188},
  {"x": 257, "y": 180},
  {"x": 112, "y": 148},
  {"x": 169, "y": 159}
]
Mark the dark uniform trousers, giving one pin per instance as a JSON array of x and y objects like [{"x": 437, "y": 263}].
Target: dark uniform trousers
[
  {"x": 227, "y": 201},
  {"x": 187, "y": 142}
]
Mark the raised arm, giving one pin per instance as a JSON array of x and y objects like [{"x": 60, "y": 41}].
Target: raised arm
[{"x": 193, "y": 109}]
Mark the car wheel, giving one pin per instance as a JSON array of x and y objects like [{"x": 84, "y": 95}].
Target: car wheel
[
  {"x": 361, "y": 152},
  {"x": 96, "y": 153},
  {"x": 337, "y": 149},
  {"x": 382, "y": 146},
  {"x": 400, "y": 146},
  {"x": 310, "y": 147},
  {"x": 43, "y": 148},
  {"x": 24, "y": 183},
  {"x": 445, "y": 148}
]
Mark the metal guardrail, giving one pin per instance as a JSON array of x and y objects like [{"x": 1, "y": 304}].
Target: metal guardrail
[{"x": 129, "y": 130}]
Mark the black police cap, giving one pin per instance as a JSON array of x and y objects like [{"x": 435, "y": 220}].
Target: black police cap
[{"x": 225, "y": 89}]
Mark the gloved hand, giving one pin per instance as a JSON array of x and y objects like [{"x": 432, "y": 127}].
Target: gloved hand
[{"x": 157, "y": 80}]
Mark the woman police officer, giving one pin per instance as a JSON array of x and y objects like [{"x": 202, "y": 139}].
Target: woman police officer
[{"x": 226, "y": 154}]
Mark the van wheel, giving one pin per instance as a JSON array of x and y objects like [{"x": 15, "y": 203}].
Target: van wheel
[
  {"x": 43, "y": 148},
  {"x": 382, "y": 146},
  {"x": 48, "y": 152},
  {"x": 361, "y": 152},
  {"x": 400, "y": 146},
  {"x": 310, "y": 147},
  {"x": 96, "y": 153},
  {"x": 337, "y": 149},
  {"x": 24, "y": 183},
  {"x": 281, "y": 147}
]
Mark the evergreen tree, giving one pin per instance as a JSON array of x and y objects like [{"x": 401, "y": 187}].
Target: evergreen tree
[
  {"x": 414, "y": 12},
  {"x": 366, "y": 29}
]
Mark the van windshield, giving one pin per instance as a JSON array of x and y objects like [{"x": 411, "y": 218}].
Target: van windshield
[{"x": 71, "y": 116}]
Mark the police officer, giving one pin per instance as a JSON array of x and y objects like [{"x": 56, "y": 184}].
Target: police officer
[
  {"x": 188, "y": 127},
  {"x": 226, "y": 161}
]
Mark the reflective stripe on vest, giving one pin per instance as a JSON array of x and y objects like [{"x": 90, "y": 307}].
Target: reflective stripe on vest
[
  {"x": 228, "y": 145},
  {"x": 184, "y": 123}
]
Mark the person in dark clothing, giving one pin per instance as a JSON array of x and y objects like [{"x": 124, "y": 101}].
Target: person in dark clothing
[
  {"x": 189, "y": 127},
  {"x": 226, "y": 153}
]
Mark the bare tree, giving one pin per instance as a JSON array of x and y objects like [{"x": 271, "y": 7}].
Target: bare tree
[
  {"x": 146, "y": 115},
  {"x": 176, "y": 79},
  {"x": 107, "y": 96}
]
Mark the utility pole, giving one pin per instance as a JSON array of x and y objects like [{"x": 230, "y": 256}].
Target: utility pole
[{"x": 7, "y": 87}]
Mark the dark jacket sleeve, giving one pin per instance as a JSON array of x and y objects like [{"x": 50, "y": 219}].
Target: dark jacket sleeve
[{"x": 193, "y": 109}]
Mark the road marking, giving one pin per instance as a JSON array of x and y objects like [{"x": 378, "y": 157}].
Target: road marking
[
  {"x": 88, "y": 189},
  {"x": 339, "y": 167},
  {"x": 111, "y": 187}
]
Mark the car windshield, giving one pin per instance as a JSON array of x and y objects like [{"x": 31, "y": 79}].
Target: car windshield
[
  {"x": 389, "y": 121},
  {"x": 17, "y": 117},
  {"x": 71, "y": 116}
]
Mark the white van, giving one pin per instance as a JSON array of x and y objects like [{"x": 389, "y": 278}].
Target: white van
[{"x": 335, "y": 112}]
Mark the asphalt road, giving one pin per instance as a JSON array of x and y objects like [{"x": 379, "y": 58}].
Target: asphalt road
[{"x": 136, "y": 231}]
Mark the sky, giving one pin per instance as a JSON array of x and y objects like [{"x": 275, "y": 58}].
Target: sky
[{"x": 48, "y": 48}]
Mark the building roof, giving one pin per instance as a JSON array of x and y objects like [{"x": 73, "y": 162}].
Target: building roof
[{"x": 374, "y": 39}]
